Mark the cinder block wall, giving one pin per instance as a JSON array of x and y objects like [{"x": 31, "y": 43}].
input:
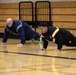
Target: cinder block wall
[
  {"x": 16, "y": 1},
  {"x": 63, "y": 14}
]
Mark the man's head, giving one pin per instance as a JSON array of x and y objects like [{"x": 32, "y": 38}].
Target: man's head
[
  {"x": 9, "y": 22},
  {"x": 43, "y": 27}
]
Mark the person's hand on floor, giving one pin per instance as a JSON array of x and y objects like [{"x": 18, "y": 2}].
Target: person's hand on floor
[
  {"x": 20, "y": 45},
  {"x": 3, "y": 44}
]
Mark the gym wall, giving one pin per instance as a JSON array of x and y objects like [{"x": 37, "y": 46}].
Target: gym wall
[
  {"x": 16, "y": 1},
  {"x": 63, "y": 13}
]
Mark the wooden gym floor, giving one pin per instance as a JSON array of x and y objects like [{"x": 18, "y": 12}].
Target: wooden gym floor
[{"x": 30, "y": 60}]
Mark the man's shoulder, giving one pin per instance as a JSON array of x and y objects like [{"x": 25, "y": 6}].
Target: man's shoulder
[
  {"x": 16, "y": 21},
  {"x": 52, "y": 27}
]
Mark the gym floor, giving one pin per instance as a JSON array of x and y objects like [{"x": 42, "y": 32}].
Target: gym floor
[{"x": 30, "y": 60}]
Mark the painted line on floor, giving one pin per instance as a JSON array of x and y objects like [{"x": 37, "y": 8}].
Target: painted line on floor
[{"x": 40, "y": 55}]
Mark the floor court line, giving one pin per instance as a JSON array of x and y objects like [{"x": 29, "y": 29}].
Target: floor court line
[{"x": 41, "y": 55}]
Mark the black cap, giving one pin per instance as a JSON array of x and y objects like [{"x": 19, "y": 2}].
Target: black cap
[{"x": 43, "y": 24}]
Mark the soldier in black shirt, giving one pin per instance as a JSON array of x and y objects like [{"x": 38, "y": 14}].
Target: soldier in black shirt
[{"x": 57, "y": 35}]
